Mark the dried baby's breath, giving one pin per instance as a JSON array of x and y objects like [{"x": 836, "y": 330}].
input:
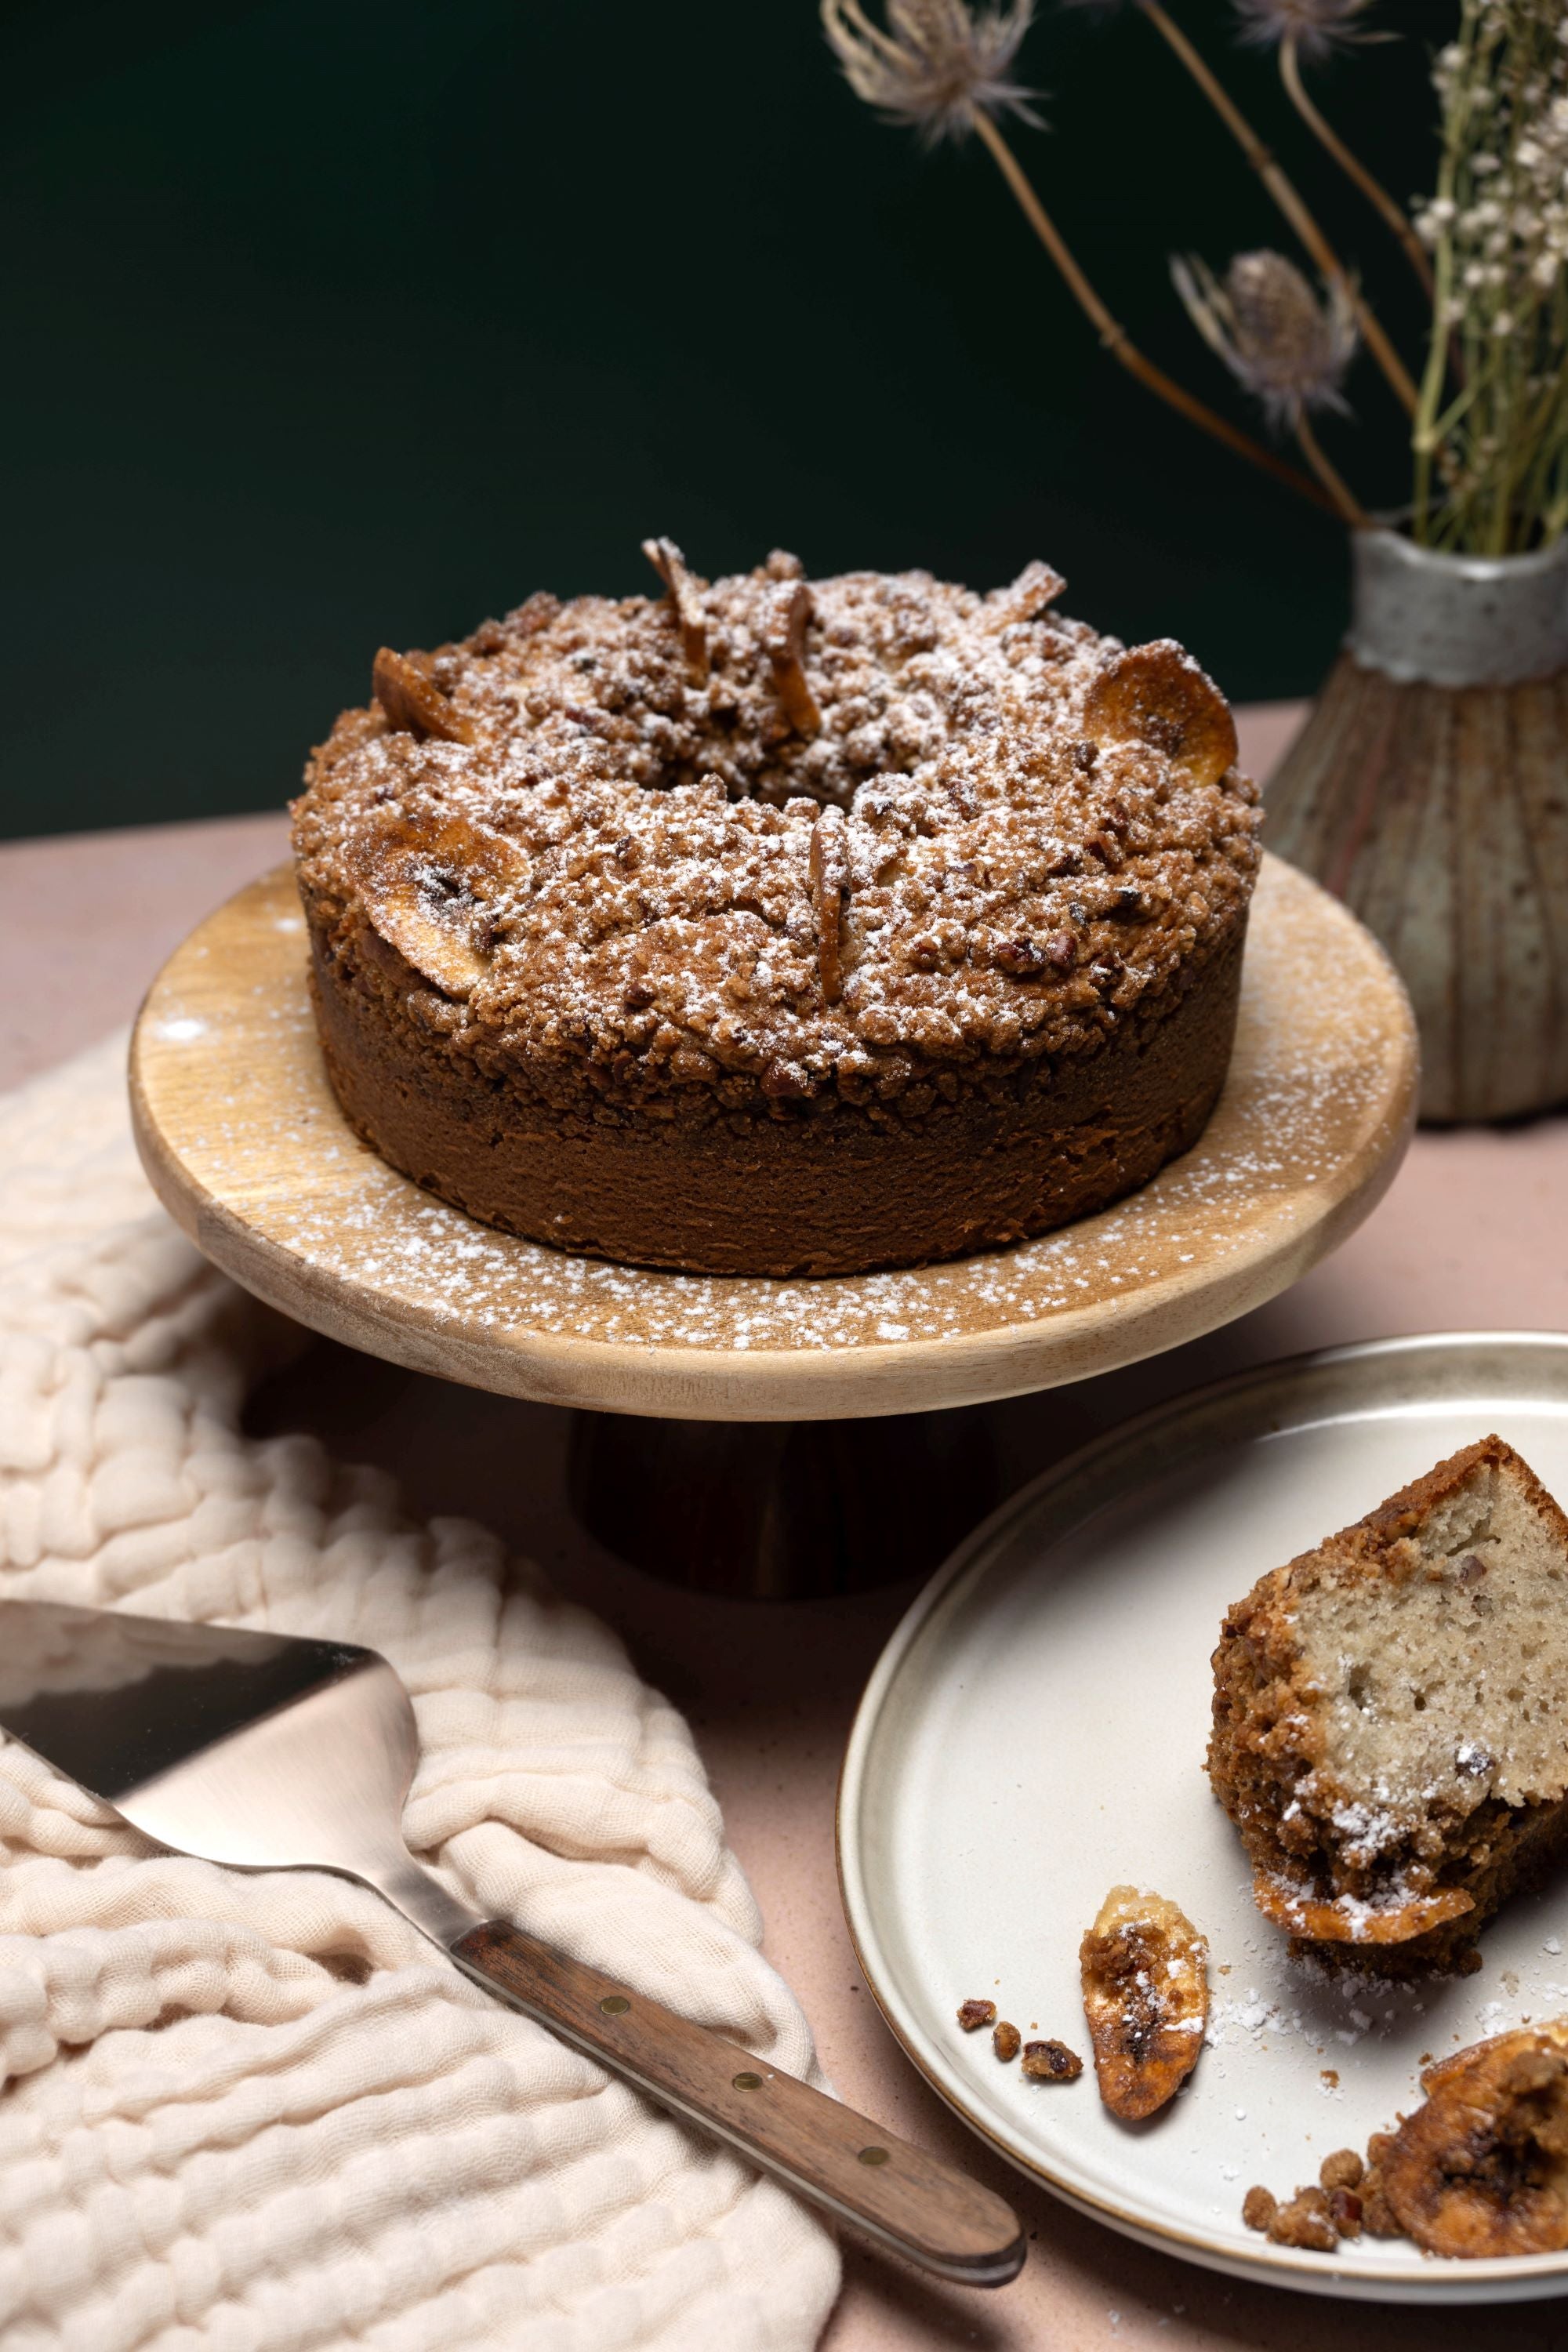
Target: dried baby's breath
[
  {"x": 936, "y": 64},
  {"x": 1494, "y": 407}
]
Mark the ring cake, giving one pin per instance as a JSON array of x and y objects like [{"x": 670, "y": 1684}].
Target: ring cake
[{"x": 776, "y": 927}]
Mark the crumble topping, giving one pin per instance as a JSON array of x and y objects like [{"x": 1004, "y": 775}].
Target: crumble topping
[{"x": 762, "y": 834}]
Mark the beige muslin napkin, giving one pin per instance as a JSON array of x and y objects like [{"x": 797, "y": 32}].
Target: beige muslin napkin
[{"x": 259, "y": 2113}]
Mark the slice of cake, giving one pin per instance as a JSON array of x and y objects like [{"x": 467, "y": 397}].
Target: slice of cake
[{"x": 1391, "y": 1715}]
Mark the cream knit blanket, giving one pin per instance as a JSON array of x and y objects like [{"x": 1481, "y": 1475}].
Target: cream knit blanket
[{"x": 257, "y": 2113}]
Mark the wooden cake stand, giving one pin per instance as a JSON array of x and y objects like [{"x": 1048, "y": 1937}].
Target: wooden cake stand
[{"x": 246, "y": 1147}]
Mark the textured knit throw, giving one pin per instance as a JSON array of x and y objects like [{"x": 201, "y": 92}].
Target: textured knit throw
[{"x": 257, "y": 2112}]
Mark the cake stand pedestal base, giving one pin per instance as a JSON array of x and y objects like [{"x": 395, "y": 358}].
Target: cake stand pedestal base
[{"x": 783, "y": 1510}]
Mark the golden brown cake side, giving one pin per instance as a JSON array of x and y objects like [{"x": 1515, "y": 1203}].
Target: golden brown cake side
[
  {"x": 1390, "y": 1730},
  {"x": 778, "y": 927},
  {"x": 832, "y": 1190}
]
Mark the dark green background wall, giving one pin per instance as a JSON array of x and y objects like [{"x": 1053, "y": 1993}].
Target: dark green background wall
[{"x": 329, "y": 323}]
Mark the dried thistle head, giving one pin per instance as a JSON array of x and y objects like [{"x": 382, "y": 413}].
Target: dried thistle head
[
  {"x": 1288, "y": 348},
  {"x": 1315, "y": 26},
  {"x": 936, "y": 64}
]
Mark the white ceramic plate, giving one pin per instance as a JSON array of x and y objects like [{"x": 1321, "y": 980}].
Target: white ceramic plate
[{"x": 1035, "y": 1733}]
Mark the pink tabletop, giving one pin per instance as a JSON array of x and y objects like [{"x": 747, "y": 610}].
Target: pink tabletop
[{"x": 1470, "y": 1235}]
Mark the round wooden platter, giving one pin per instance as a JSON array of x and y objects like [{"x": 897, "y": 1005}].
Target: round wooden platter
[{"x": 248, "y": 1151}]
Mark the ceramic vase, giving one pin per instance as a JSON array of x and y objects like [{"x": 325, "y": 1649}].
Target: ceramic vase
[{"x": 1428, "y": 789}]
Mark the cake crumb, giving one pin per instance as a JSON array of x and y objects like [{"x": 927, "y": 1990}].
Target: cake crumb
[
  {"x": 1258, "y": 2208},
  {"x": 1051, "y": 2062},
  {"x": 1305, "y": 2222},
  {"x": 974, "y": 2014}
]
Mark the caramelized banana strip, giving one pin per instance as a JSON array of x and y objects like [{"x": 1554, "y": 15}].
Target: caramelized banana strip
[
  {"x": 829, "y": 880},
  {"x": 785, "y": 645},
  {"x": 685, "y": 602},
  {"x": 1036, "y": 586}
]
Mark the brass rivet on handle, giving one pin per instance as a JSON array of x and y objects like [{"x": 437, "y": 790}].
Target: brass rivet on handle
[
  {"x": 873, "y": 2156},
  {"x": 747, "y": 2081},
  {"x": 615, "y": 2003}
]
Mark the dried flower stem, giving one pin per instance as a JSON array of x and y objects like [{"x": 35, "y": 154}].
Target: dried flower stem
[
  {"x": 1344, "y": 498},
  {"x": 1351, "y": 163},
  {"x": 1289, "y": 203},
  {"x": 1115, "y": 338}
]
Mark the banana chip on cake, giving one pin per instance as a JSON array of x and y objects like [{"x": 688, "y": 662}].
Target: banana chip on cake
[{"x": 1146, "y": 1998}]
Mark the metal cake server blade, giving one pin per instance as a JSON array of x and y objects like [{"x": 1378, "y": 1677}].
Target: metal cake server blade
[{"x": 267, "y": 1752}]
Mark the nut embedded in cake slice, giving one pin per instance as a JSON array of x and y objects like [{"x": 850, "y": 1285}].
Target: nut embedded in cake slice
[{"x": 1391, "y": 1715}]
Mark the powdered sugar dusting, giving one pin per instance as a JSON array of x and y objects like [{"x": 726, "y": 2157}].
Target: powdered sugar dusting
[
  {"x": 654, "y": 873},
  {"x": 1319, "y": 1084}
]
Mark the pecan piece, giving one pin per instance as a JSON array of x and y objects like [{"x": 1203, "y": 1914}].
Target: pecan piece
[
  {"x": 1378, "y": 2218},
  {"x": 1021, "y": 959},
  {"x": 414, "y": 703},
  {"x": 1051, "y": 2062},
  {"x": 1006, "y": 2040},
  {"x": 784, "y": 1081},
  {"x": 1145, "y": 1995},
  {"x": 685, "y": 602},
  {"x": 1156, "y": 694},
  {"x": 785, "y": 644}
]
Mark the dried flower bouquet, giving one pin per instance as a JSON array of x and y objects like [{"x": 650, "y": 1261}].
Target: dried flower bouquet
[{"x": 1488, "y": 405}]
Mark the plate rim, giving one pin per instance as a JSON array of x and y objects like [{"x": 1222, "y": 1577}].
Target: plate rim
[{"x": 1509, "y": 2278}]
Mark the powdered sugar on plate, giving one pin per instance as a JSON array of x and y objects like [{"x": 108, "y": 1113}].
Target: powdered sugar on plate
[{"x": 1318, "y": 1089}]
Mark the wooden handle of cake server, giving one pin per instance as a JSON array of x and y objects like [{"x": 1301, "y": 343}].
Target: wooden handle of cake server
[{"x": 925, "y": 2209}]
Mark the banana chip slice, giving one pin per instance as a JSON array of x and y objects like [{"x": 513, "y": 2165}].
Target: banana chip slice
[
  {"x": 1156, "y": 694},
  {"x": 428, "y": 883},
  {"x": 1146, "y": 1996},
  {"x": 1481, "y": 2169},
  {"x": 414, "y": 703}
]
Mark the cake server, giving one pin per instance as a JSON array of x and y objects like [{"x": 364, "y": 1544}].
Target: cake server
[{"x": 266, "y": 1752}]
